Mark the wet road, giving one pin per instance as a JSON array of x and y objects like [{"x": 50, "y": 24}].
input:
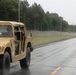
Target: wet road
[{"x": 57, "y": 58}]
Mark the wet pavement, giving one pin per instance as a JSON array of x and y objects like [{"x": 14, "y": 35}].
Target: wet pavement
[{"x": 57, "y": 58}]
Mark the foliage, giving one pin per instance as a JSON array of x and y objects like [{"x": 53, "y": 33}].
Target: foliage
[
  {"x": 8, "y": 10},
  {"x": 33, "y": 16}
]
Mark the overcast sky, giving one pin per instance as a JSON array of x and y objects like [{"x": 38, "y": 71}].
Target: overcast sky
[{"x": 65, "y": 8}]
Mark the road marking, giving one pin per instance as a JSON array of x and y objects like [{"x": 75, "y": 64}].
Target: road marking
[{"x": 55, "y": 71}]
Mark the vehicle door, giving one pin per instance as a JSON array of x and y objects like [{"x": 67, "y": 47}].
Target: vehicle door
[
  {"x": 17, "y": 33},
  {"x": 22, "y": 37}
]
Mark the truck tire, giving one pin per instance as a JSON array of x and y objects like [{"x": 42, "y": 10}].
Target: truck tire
[
  {"x": 24, "y": 63},
  {"x": 5, "y": 64}
]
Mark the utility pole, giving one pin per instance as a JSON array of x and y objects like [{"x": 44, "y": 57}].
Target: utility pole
[
  {"x": 25, "y": 11},
  {"x": 18, "y": 10}
]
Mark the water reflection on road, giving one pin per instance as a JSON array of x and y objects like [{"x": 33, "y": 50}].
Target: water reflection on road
[
  {"x": 48, "y": 59},
  {"x": 21, "y": 72}
]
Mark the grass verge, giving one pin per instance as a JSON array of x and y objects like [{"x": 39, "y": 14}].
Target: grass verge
[{"x": 45, "y": 39}]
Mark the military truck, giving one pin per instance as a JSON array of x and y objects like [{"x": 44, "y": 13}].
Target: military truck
[{"x": 15, "y": 45}]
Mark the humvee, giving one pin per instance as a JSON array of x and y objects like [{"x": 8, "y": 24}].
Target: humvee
[{"x": 15, "y": 45}]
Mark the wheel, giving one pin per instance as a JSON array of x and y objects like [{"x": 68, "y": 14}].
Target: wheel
[
  {"x": 5, "y": 64},
  {"x": 24, "y": 63}
]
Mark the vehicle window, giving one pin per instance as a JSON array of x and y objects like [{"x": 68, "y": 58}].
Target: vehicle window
[
  {"x": 17, "y": 33},
  {"x": 5, "y": 30},
  {"x": 16, "y": 28},
  {"x": 22, "y": 28}
]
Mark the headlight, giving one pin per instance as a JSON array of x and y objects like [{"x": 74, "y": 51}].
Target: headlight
[{"x": 1, "y": 48}]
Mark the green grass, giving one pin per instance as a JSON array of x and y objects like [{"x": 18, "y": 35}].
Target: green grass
[{"x": 45, "y": 39}]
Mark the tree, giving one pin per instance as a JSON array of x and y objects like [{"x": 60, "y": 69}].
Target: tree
[
  {"x": 56, "y": 21},
  {"x": 37, "y": 15},
  {"x": 8, "y": 10},
  {"x": 33, "y": 16},
  {"x": 65, "y": 25}
]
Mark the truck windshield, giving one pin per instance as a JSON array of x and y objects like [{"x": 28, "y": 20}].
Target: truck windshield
[{"x": 5, "y": 30}]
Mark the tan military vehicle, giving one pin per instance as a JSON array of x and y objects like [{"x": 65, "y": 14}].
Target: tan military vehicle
[{"x": 15, "y": 45}]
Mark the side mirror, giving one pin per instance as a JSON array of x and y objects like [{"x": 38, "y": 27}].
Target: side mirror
[{"x": 30, "y": 34}]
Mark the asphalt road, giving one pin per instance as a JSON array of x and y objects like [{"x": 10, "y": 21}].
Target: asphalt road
[{"x": 57, "y": 58}]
